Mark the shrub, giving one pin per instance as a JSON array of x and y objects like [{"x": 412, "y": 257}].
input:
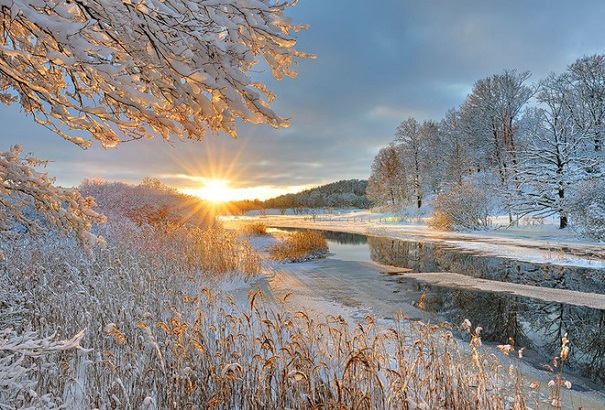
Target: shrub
[
  {"x": 300, "y": 246},
  {"x": 588, "y": 206},
  {"x": 464, "y": 206},
  {"x": 255, "y": 229},
  {"x": 194, "y": 250}
]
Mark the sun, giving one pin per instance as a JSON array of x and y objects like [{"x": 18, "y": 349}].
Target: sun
[{"x": 217, "y": 190}]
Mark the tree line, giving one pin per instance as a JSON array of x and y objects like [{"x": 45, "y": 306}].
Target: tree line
[
  {"x": 525, "y": 149},
  {"x": 349, "y": 193}
]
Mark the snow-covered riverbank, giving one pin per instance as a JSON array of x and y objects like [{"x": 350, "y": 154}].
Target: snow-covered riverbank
[
  {"x": 543, "y": 243},
  {"x": 315, "y": 287}
]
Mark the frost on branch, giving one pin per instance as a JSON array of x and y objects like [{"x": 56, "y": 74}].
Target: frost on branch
[
  {"x": 120, "y": 69},
  {"x": 30, "y": 203},
  {"x": 21, "y": 360}
]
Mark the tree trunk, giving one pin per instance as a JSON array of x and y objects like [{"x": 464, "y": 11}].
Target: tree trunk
[
  {"x": 562, "y": 212},
  {"x": 562, "y": 221}
]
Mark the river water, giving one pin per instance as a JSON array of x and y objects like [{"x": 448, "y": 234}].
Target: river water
[{"x": 531, "y": 323}]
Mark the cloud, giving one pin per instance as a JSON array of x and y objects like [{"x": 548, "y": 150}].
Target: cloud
[{"x": 377, "y": 64}]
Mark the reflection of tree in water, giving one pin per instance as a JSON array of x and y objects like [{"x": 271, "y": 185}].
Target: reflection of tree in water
[
  {"x": 530, "y": 323},
  {"x": 585, "y": 328},
  {"x": 426, "y": 257},
  {"x": 592, "y": 341},
  {"x": 417, "y": 256},
  {"x": 500, "y": 317},
  {"x": 346, "y": 238}
]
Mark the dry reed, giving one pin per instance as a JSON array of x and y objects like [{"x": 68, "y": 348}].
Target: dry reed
[
  {"x": 255, "y": 229},
  {"x": 300, "y": 246},
  {"x": 161, "y": 338}
]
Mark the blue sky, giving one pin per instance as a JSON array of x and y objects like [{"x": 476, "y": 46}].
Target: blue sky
[{"x": 378, "y": 62}]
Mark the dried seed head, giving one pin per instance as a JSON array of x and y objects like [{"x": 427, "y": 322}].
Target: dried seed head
[
  {"x": 564, "y": 352},
  {"x": 466, "y": 325},
  {"x": 297, "y": 375},
  {"x": 506, "y": 349},
  {"x": 564, "y": 347},
  {"x": 230, "y": 370}
]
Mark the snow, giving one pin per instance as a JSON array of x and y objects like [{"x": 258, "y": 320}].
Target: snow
[
  {"x": 543, "y": 243},
  {"x": 324, "y": 288}
]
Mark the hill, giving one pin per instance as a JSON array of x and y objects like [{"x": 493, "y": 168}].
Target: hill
[{"x": 350, "y": 193}]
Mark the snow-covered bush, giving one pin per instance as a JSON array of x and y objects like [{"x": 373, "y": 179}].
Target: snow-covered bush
[
  {"x": 588, "y": 209},
  {"x": 31, "y": 203},
  {"x": 148, "y": 203},
  {"x": 463, "y": 206}
]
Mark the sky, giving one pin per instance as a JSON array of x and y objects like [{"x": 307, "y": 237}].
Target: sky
[{"x": 378, "y": 63}]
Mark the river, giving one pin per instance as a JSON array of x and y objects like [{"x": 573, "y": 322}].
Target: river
[{"x": 535, "y": 324}]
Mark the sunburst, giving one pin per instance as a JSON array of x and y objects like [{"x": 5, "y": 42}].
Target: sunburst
[{"x": 217, "y": 191}]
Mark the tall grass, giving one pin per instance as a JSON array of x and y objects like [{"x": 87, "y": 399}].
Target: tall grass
[
  {"x": 255, "y": 229},
  {"x": 160, "y": 337},
  {"x": 299, "y": 246}
]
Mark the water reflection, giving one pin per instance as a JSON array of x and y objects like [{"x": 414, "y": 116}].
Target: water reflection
[
  {"x": 345, "y": 238},
  {"x": 428, "y": 257},
  {"x": 529, "y": 322}
]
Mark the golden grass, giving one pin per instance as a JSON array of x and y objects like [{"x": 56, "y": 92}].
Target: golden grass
[
  {"x": 161, "y": 338},
  {"x": 299, "y": 246},
  {"x": 255, "y": 229}
]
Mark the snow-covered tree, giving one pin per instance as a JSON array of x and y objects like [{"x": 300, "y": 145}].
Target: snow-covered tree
[
  {"x": 414, "y": 139},
  {"x": 587, "y": 77},
  {"x": 555, "y": 156},
  {"x": 387, "y": 183},
  {"x": 490, "y": 114},
  {"x": 455, "y": 158},
  {"x": 30, "y": 203},
  {"x": 121, "y": 70},
  {"x": 490, "y": 118}
]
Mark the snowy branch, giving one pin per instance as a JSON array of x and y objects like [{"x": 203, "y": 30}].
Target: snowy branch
[
  {"x": 122, "y": 70},
  {"x": 29, "y": 202}
]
